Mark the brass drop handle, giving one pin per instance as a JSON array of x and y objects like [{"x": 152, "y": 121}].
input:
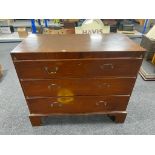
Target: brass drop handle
[
  {"x": 107, "y": 66},
  {"x": 52, "y": 70},
  {"x": 52, "y": 104},
  {"x": 101, "y": 103},
  {"x": 53, "y": 85},
  {"x": 56, "y": 104}
]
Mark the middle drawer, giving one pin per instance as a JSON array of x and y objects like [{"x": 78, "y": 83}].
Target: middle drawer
[{"x": 77, "y": 86}]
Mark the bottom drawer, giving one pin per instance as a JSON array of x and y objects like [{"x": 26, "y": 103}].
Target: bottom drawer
[{"x": 77, "y": 104}]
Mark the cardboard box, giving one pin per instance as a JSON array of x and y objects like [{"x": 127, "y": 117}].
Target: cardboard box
[
  {"x": 22, "y": 32},
  {"x": 60, "y": 31},
  {"x": 141, "y": 21},
  {"x": 71, "y": 20},
  {"x": 69, "y": 24}
]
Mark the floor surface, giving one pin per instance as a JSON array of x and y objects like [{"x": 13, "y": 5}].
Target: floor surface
[{"x": 14, "y": 112}]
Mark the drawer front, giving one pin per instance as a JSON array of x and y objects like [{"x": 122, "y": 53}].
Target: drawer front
[
  {"x": 77, "y": 68},
  {"x": 78, "y": 104},
  {"x": 73, "y": 87}
]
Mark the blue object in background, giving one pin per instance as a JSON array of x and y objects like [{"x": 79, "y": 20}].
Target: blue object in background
[
  {"x": 145, "y": 25},
  {"x": 46, "y": 23},
  {"x": 34, "y": 30}
]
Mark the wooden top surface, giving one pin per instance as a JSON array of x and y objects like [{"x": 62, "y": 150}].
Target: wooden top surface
[{"x": 77, "y": 43}]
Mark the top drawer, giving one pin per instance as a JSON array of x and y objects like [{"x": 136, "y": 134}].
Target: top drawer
[
  {"x": 76, "y": 55},
  {"x": 77, "y": 68}
]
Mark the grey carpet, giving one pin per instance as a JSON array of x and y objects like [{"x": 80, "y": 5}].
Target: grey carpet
[{"x": 14, "y": 112}]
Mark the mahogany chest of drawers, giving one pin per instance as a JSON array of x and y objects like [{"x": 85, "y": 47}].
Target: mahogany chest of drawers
[{"x": 77, "y": 74}]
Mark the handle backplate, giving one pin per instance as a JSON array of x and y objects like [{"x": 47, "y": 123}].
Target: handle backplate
[{"x": 52, "y": 70}]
